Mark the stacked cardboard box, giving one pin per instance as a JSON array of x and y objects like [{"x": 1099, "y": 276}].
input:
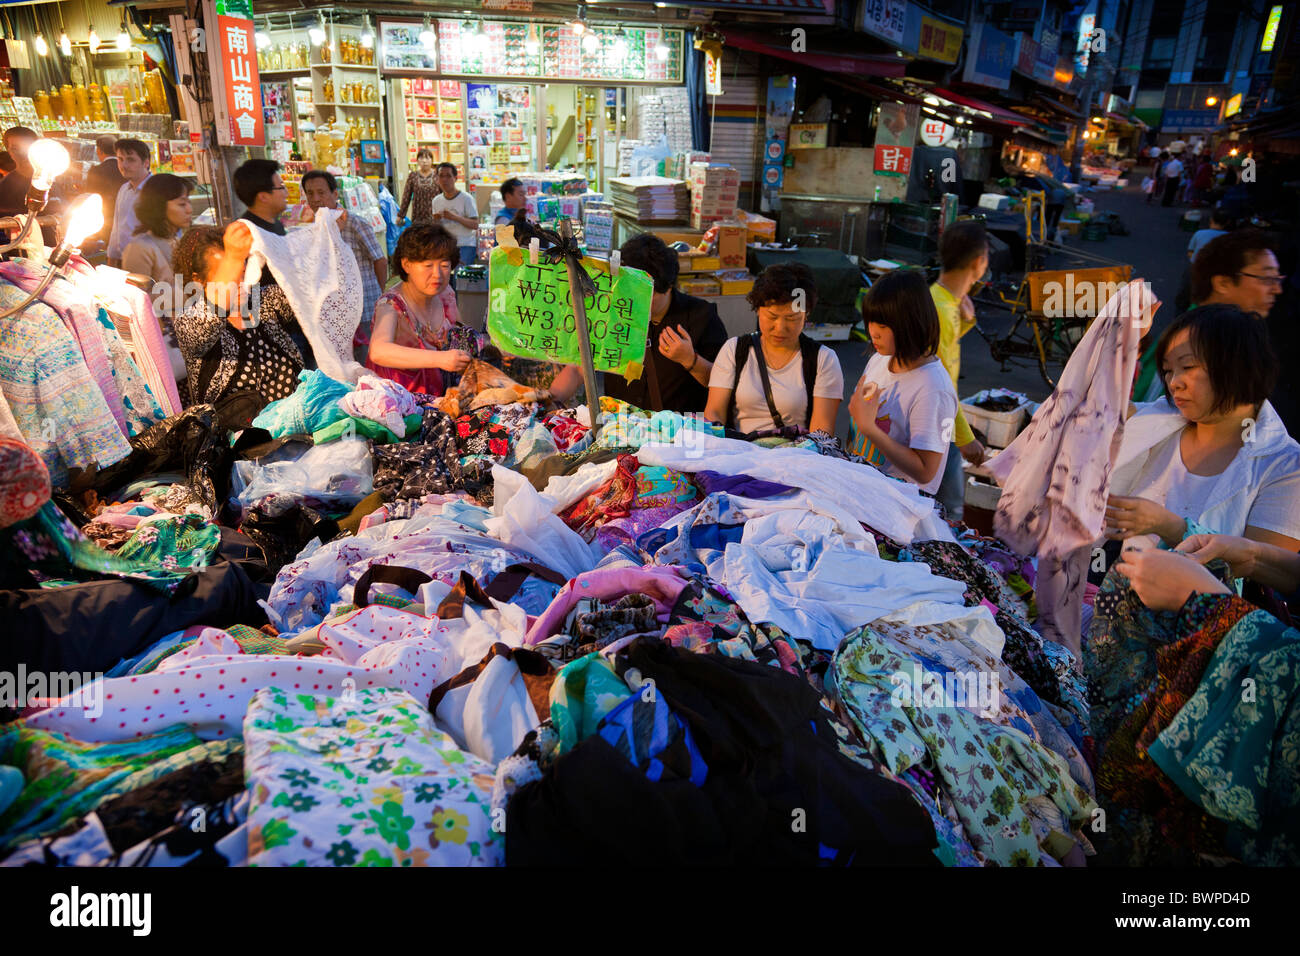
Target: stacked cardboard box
[{"x": 715, "y": 191}]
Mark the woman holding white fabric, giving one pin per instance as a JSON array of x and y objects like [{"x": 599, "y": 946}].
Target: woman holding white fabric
[{"x": 1218, "y": 457}]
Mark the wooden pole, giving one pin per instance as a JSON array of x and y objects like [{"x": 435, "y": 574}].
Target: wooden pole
[{"x": 584, "y": 335}]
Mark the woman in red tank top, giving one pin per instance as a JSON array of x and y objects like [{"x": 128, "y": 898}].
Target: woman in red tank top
[{"x": 413, "y": 322}]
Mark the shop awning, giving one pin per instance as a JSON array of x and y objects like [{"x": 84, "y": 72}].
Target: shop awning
[
  {"x": 855, "y": 64},
  {"x": 1006, "y": 117},
  {"x": 1056, "y": 106}
]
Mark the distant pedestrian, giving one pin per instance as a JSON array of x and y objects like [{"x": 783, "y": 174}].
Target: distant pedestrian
[{"x": 1173, "y": 174}]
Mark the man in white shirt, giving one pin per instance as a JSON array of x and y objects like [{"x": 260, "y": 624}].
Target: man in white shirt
[
  {"x": 133, "y": 164},
  {"x": 1173, "y": 173},
  {"x": 456, "y": 210}
]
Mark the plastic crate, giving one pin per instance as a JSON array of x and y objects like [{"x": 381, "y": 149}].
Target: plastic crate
[{"x": 999, "y": 428}]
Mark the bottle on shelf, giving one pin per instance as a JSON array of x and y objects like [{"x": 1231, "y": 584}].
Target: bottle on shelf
[
  {"x": 83, "y": 102},
  {"x": 329, "y": 89},
  {"x": 69, "y": 103},
  {"x": 41, "y": 101}
]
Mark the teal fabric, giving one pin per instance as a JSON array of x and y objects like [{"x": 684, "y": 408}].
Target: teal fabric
[
  {"x": 1234, "y": 747},
  {"x": 314, "y": 405}
]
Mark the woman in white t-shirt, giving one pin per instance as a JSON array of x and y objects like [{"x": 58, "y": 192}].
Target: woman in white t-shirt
[
  {"x": 904, "y": 406},
  {"x": 743, "y": 397},
  {"x": 1218, "y": 456},
  {"x": 457, "y": 212}
]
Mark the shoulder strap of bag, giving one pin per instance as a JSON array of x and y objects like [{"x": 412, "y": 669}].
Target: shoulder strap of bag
[
  {"x": 506, "y": 585},
  {"x": 408, "y": 579},
  {"x": 811, "y": 353},
  {"x": 777, "y": 420},
  {"x": 742, "y": 356}
]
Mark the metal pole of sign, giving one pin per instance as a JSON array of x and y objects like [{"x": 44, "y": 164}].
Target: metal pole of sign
[{"x": 584, "y": 335}]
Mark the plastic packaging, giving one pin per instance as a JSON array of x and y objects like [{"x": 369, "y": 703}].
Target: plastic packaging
[{"x": 338, "y": 473}]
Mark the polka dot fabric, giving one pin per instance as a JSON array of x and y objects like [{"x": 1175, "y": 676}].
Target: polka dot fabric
[{"x": 207, "y": 687}]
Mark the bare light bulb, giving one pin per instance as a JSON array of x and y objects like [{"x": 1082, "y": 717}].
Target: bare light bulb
[
  {"x": 42, "y": 48},
  {"x": 591, "y": 43},
  {"x": 49, "y": 161},
  {"x": 86, "y": 219},
  {"x": 65, "y": 43},
  {"x": 123, "y": 39},
  {"x": 661, "y": 51},
  {"x": 93, "y": 41},
  {"x": 426, "y": 34}
]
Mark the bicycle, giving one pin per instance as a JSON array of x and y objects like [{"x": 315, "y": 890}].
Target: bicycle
[{"x": 1049, "y": 314}]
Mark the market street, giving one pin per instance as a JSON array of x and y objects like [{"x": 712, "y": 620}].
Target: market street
[{"x": 1155, "y": 247}]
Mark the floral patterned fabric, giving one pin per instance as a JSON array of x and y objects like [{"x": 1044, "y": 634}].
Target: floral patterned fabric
[
  {"x": 186, "y": 541},
  {"x": 991, "y": 774},
  {"x": 364, "y": 779}
]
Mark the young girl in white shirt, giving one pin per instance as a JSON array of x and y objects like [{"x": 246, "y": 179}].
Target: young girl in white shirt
[{"x": 903, "y": 407}]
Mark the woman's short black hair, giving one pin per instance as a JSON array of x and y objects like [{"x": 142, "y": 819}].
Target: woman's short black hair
[
  {"x": 424, "y": 151},
  {"x": 331, "y": 183},
  {"x": 782, "y": 283},
  {"x": 190, "y": 257},
  {"x": 901, "y": 302},
  {"x": 151, "y": 208},
  {"x": 1235, "y": 349},
  {"x": 423, "y": 242},
  {"x": 652, "y": 256}
]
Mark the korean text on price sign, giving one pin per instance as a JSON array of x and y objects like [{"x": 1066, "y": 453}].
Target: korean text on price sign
[{"x": 530, "y": 312}]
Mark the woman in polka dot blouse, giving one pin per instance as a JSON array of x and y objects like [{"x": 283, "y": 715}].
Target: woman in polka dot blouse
[{"x": 226, "y": 350}]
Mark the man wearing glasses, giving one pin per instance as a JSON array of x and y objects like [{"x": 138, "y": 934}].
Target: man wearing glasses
[
  {"x": 258, "y": 185},
  {"x": 1238, "y": 269},
  {"x": 1242, "y": 269}
]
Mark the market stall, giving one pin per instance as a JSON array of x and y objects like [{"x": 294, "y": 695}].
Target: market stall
[{"x": 490, "y": 601}]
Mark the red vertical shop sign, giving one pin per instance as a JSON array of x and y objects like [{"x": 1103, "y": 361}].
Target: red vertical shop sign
[{"x": 237, "y": 54}]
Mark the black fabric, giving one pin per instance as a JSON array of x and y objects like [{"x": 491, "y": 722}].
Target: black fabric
[
  {"x": 139, "y": 814},
  {"x": 13, "y": 194},
  {"x": 281, "y": 537},
  {"x": 195, "y": 442},
  {"x": 809, "y": 353},
  {"x": 106, "y": 179},
  {"x": 678, "y": 389},
  {"x": 92, "y": 626},
  {"x": 774, "y": 764}
]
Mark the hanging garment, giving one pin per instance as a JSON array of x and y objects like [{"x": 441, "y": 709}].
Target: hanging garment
[
  {"x": 364, "y": 779},
  {"x": 320, "y": 278},
  {"x": 1055, "y": 476},
  {"x": 55, "y": 401},
  {"x": 138, "y": 401},
  {"x": 132, "y": 312},
  {"x": 73, "y": 306}
]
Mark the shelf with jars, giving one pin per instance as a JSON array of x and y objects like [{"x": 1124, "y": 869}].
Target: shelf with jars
[{"x": 346, "y": 84}]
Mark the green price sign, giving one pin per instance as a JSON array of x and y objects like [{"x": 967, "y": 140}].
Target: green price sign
[{"x": 530, "y": 312}]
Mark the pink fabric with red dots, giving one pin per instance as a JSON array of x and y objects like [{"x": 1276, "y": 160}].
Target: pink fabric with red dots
[{"x": 209, "y": 684}]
